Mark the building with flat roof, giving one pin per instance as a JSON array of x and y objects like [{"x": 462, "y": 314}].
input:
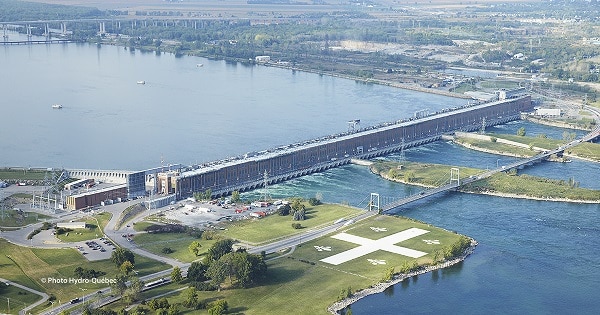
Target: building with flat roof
[{"x": 96, "y": 197}]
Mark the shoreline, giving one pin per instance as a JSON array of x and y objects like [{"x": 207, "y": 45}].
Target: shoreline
[
  {"x": 497, "y": 194},
  {"x": 336, "y": 307},
  {"x": 502, "y": 153}
]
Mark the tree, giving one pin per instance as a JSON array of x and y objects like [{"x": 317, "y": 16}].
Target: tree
[
  {"x": 314, "y": 202},
  {"x": 389, "y": 274},
  {"x": 120, "y": 255},
  {"x": 300, "y": 215},
  {"x": 218, "y": 307},
  {"x": 194, "y": 248},
  {"x": 119, "y": 285},
  {"x": 132, "y": 293},
  {"x": 126, "y": 267},
  {"x": 235, "y": 196},
  {"x": 284, "y": 210},
  {"x": 409, "y": 176},
  {"x": 218, "y": 249},
  {"x": 176, "y": 274},
  {"x": 297, "y": 205},
  {"x": 197, "y": 271},
  {"x": 191, "y": 297},
  {"x": 207, "y": 194},
  {"x": 521, "y": 132},
  {"x": 245, "y": 268}
]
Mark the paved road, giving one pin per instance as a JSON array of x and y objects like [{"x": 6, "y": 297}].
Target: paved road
[{"x": 26, "y": 309}]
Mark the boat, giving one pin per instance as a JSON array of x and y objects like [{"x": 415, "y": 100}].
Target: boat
[
  {"x": 141, "y": 82},
  {"x": 57, "y": 106}
]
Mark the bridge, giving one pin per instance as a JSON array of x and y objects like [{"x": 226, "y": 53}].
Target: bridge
[{"x": 456, "y": 183}]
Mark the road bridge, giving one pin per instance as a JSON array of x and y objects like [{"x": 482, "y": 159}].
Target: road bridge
[{"x": 455, "y": 185}]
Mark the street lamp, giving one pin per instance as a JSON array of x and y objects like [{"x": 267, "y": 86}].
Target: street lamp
[{"x": 83, "y": 297}]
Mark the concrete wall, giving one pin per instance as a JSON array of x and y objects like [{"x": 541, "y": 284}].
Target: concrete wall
[{"x": 315, "y": 156}]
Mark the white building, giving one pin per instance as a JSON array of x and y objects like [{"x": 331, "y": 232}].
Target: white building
[
  {"x": 262, "y": 59},
  {"x": 548, "y": 112}
]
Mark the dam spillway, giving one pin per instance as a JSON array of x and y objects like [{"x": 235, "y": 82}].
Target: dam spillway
[{"x": 253, "y": 170}]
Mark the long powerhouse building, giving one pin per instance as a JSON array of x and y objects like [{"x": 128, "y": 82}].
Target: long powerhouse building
[{"x": 286, "y": 162}]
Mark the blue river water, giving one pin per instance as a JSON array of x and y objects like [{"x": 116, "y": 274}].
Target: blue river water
[{"x": 533, "y": 257}]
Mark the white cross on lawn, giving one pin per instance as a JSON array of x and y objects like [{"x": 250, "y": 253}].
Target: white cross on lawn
[{"x": 368, "y": 246}]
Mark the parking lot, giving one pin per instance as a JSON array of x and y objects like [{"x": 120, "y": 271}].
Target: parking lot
[{"x": 97, "y": 249}]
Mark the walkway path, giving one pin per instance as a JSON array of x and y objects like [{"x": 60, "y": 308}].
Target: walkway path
[{"x": 26, "y": 309}]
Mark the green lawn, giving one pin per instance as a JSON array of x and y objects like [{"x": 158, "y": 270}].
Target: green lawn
[
  {"x": 91, "y": 231},
  {"x": 500, "y": 148},
  {"x": 532, "y": 186},
  {"x": 586, "y": 150},
  {"x": 18, "y": 297},
  {"x": 428, "y": 174},
  {"x": 545, "y": 143},
  {"x": 524, "y": 185},
  {"x": 9, "y": 174},
  {"x": 12, "y": 218},
  {"x": 178, "y": 242},
  {"x": 317, "y": 284},
  {"x": 31, "y": 267},
  {"x": 272, "y": 227}
]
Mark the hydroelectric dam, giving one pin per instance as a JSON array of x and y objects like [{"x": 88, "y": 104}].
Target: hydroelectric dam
[{"x": 255, "y": 169}]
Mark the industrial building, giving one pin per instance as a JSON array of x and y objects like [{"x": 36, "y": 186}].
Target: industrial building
[
  {"x": 96, "y": 197},
  {"x": 254, "y": 170}
]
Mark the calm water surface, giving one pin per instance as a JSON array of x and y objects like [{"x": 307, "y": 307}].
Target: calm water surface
[{"x": 534, "y": 257}]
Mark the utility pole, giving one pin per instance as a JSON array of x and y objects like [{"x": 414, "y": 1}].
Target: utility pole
[{"x": 266, "y": 183}]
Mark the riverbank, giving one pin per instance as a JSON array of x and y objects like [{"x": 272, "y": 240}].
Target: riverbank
[
  {"x": 500, "y": 185},
  {"x": 337, "y": 307}
]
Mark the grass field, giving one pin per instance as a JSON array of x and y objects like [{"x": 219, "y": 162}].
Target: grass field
[
  {"x": 9, "y": 174},
  {"x": 318, "y": 284},
  {"x": 91, "y": 231},
  {"x": 545, "y": 143},
  {"x": 31, "y": 267},
  {"x": 532, "y": 186},
  {"x": 501, "y": 183},
  {"x": 12, "y": 218},
  {"x": 250, "y": 231},
  {"x": 19, "y": 299},
  {"x": 500, "y": 148},
  {"x": 275, "y": 226},
  {"x": 178, "y": 242},
  {"x": 428, "y": 174}
]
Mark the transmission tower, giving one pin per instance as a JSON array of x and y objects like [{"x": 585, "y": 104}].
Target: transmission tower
[
  {"x": 402, "y": 145},
  {"x": 266, "y": 196},
  {"x": 482, "y": 130},
  {"x": 353, "y": 124}
]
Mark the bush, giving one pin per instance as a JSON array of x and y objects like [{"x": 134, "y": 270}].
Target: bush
[
  {"x": 167, "y": 250},
  {"x": 314, "y": 201},
  {"x": 165, "y": 228},
  {"x": 204, "y": 286}
]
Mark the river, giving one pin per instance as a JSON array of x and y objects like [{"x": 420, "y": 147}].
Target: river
[{"x": 534, "y": 256}]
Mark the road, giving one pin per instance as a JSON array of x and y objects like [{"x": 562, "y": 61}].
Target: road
[{"x": 29, "y": 307}]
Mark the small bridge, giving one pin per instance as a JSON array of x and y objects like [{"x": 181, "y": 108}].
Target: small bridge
[{"x": 455, "y": 181}]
